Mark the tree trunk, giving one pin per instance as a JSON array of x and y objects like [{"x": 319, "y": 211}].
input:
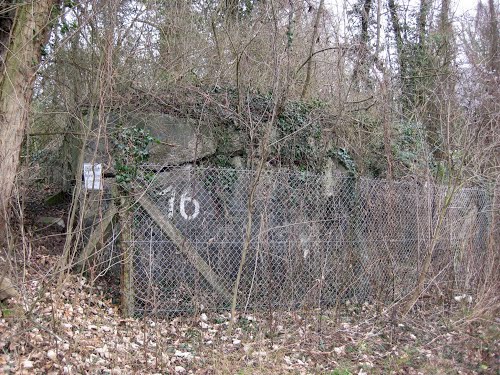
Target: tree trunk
[
  {"x": 20, "y": 47},
  {"x": 396, "y": 28},
  {"x": 495, "y": 38},
  {"x": 379, "y": 26},
  {"x": 361, "y": 68},
  {"x": 311, "y": 49},
  {"x": 422, "y": 23},
  {"x": 437, "y": 95},
  {"x": 398, "y": 31}
]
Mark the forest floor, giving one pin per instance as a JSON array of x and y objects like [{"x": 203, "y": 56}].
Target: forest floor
[{"x": 75, "y": 327}]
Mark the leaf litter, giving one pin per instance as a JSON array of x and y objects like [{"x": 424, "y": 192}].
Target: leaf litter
[{"x": 76, "y": 329}]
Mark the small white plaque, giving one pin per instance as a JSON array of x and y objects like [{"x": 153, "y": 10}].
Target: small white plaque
[{"x": 92, "y": 174}]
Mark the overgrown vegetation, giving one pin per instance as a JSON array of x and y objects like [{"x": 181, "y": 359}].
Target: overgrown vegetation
[
  {"x": 388, "y": 89},
  {"x": 131, "y": 151}
]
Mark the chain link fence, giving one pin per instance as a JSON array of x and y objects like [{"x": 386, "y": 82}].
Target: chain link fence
[{"x": 314, "y": 240}]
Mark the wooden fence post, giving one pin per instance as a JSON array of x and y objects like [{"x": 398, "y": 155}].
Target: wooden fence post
[{"x": 126, "y": 247}]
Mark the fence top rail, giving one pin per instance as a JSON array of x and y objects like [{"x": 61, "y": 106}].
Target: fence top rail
[{"x": 412, "y": 181}]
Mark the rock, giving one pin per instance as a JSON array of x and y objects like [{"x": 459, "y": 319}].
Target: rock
[
  {"x": 7, "y": 290},
  {"x": 339, "y": 350},
  {"x": 463, "y": 297},
  {"x": 180, "y": 140},
  {"x": 52, "y": 355},
  {"x": 49, "y": 220},
  {"x": 186, "y": 355},
  {"x": 103, "y": 352},
  {"x": 238, "y": 162},
  {"x": 179, "y": 369},
  {"x": 27, "y": 364}
]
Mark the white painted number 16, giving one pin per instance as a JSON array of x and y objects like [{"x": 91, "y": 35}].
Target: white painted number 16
[{"x": 185, "y": 199}]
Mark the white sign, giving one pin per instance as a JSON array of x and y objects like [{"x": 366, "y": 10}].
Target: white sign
[{"x": 92, "y": 175}]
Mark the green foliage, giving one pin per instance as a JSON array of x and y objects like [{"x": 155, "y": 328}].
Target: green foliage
[
  {"x": 440, "y": 170},
  {"x": 247, "y": 326},
  {"x": 408, "y": 148},
  {"x": 223, "y": 136},
  {"x": 7, "y": 312},
  {"x": 301, "y": 134},
  {"x": 66, "y": 27},
  {"x": 241, "y": 8},
  {"x": 131, "y": 149},
  {"x": 69, "y": 3},
  {"x": 193, "y": 334},
  {"x": 224, "y": 178},
  {"x": 55, "y": 12},
  {"x": 222, "y": 161},
  {"x": 345, "y": 159},
  {"x": 409, "y": 143},
  {"x": 341, "y": 371}
]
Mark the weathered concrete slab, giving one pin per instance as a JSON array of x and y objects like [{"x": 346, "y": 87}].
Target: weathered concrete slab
[
  {"x": 181, "y": 140},
  {"x": 191, "y": 139}
]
